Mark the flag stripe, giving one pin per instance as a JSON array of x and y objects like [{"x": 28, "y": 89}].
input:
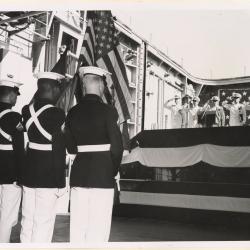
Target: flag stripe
[
  {"x": 121, "y": 108},
  {"x": 120, "y": 76},
  {"x": 88, "y": 51},
  {"x": 89, "y": 38},
  {"x": 121, "y": 66},
  {"x": 117, "y": 86},
  {"x": 91, "y": 34},
  {"x": 90, "y": 23}
]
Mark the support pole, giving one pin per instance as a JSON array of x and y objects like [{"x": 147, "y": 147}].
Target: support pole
[
  {"x": 29, "y": 14},
  {"x": 144, "y": 86}
]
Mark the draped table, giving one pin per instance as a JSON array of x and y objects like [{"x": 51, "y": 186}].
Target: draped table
[{"x": 225, "y": 147}]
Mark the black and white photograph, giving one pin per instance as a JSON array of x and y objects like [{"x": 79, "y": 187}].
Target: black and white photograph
[{"x": 124, "y": 123}]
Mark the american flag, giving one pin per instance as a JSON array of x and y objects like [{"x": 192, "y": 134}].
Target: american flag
[
  {"x": 226, "y": 93},
  {"x": 101, "y": 48}
]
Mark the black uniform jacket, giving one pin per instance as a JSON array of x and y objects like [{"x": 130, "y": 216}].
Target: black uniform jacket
[
  {"x": 45, "y": 169},
  {"x": 11, "y": 160},
  {"x": 92, "y": 122}
]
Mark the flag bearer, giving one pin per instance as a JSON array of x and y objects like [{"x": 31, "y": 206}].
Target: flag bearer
[
  {"x": 43, "y": 175},
  {"x": 93, "y": 135},
  {"x": 11, "y": 156}
]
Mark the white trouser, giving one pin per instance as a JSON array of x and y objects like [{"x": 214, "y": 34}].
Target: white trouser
[
  {"x": 10, "y": 198},
  {"x": 90, "y": 214},
  {"x": 38, "y": 214}
]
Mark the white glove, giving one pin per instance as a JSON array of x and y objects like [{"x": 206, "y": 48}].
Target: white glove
[
  {"x": 70, "y": 159},
  {"x": 61, "y": 192}
]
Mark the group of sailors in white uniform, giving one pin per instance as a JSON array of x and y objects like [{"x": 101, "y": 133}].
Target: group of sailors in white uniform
[{"x": 185, "y": 111}]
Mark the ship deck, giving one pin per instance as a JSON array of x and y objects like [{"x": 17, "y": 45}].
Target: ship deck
[{"x": 152, "y": 230}]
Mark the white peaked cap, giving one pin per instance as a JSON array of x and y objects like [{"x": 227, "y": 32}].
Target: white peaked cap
[
  {"x": 237, "y": 95},
  {"x": 9, "y": 80},
  {"x": 50, "y": 75},
  {"x": 93, "y": 71},
  {"x": 215, "y": 98}
]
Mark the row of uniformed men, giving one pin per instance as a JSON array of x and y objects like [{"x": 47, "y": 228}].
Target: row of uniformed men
[
  {"x": 186, "y": 115},
  {"x": 89, "y": 132}
]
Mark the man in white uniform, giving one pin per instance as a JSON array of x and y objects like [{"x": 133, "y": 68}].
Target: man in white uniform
[
  {"x": 11, "y": 156},
  {"x": 175, "y": 110},
  {"x": 189, "y": 111},
  {"x": 237, "y": 110},
  {"x": 195, "y": 110}
]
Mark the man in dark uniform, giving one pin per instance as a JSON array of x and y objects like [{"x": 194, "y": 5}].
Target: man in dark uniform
[
  {"x": 43, "y": 175},
  {"x": 218, "y": 110},
  {"x": 93, "y": 135},
  {"x": 11, "y": 156}
]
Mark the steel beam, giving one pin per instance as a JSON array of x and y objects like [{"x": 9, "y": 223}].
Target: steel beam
[{"x": 29, "y": 14}]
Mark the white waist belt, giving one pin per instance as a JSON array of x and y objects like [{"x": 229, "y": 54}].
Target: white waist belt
[
  {"x": 6, "y": 147},
  {"x": 42, "y": 147},
  {"x": 93, "y": 148}
]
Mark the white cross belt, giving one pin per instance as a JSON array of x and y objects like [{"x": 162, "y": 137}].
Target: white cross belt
[
  {"x": 42, "y": 147},
  {"x": 93, "y": 148},
  {"x": 6, "y": 147}
]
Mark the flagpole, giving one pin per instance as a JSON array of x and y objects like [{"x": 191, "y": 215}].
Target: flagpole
[{"x": 85, "y": 21}]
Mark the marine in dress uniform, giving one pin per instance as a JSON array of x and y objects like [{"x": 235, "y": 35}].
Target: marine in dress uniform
[
  {"x": 11, "y": 155},
  {"x": 93, "y": 135},
  {"x": 175, "y": 109},
  {"x": 237, "y": 110},
  {"x": 43, "y": 176}
]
